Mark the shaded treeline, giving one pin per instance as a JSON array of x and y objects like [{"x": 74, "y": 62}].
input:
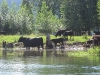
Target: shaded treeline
[{"x": 47, "y": 16}]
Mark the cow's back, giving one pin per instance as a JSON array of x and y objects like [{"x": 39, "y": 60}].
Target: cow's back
[
  {"x": 97, "y": 32},
  {"x": 66, "y": 33},
  {"x": 60, "y": 32},
  {"x": 36, "y": 42}
]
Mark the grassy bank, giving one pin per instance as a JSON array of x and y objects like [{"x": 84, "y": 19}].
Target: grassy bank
[
  {"x": 89, "y": 52},
  {"x": 12, "y": 38}
]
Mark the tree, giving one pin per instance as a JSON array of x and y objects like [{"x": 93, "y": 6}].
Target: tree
[
  {"x": 45, "y": 21},
  {"x": 80, "y": 14},
  {"x": 28, "y": 4},
  {"x": 98, "y": 10},
  {"x": 4, "y": 12},
  {"x": 89, "y": 14},
  {"x": 13, "y": 23},
  {"x": 25, "y": 22},
  {"x": 54, "y": 5}
]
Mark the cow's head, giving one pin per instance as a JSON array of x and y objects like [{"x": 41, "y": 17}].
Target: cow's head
[
  {"x": 21, "y": 39},
  {"x": 90, "y": 41}
]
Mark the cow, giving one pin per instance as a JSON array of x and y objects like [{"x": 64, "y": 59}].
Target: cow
[
  {"x": 2, "y": 33},
  {"x": 96, "y": 39},
  {"x": 60, "y": 32},
  {"x": 31, "y": 42},
  {"x": 65, "y": 33},
  {"x": 58, "y": 40},
  {"x": 90, "y": 41},
  {"x": 49, "y": 45},
  {"x": 83, "y": 32},
  {"x": 8, "y": 46},
  {"x": 93, "y": 42},
  {"x": 97, "y": 32},
  {"x": 68, "y": 33}
]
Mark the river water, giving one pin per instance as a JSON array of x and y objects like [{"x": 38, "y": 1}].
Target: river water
[{"x": 50, "y": 65}]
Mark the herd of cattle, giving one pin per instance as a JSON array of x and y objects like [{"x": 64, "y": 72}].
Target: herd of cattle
[{"x": 38, "y": 42}]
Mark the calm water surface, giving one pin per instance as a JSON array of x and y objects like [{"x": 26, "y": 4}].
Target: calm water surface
[{"x": 50, "y": 65}]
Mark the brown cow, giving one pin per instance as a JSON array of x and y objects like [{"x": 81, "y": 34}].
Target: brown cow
[{"x": 96, "y": 40}]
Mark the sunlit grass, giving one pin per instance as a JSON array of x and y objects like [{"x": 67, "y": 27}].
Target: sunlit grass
[
  {"x": 95, "y": 51},
  {"x": 13, "y": 38},
  {"x": 77, "y": 54},
  {"x": 80, "y": 39}
]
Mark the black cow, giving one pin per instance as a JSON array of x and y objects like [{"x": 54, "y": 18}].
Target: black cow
[
  {"x": 31, "y": 42},
  {"x": 2, "y": 33},
  {"x": 90, "y": 41},
  {"x": 68, "y": 33},
  {"x": 60, "y": 32},
  {"x": 97, "y": 32},
  {"x": 8, "y": 46},
  {"x": 83, "y": 32},
  {"x": 58, "y": 40}
]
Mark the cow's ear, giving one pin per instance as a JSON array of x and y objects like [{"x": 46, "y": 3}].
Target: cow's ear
[{"x": 22, "y": 36}]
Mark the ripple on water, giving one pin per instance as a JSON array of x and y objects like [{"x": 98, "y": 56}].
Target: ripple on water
[{"x": 36, "y": 66}]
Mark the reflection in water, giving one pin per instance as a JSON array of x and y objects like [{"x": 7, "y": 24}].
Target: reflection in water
[{"x": 50, "y": 64}]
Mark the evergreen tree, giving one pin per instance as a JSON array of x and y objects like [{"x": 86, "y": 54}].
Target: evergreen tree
[
  {"x": 28, "y": 4},
  {"x": 46, "y": 22},
  {"x": 80, "y": 14},
  {"x": 24, "y": 20},
  {"x": 4, "y": 9},
  {"x": 13, "y": 26}
]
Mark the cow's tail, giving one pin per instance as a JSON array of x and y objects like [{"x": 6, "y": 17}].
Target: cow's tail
[
  {"x": 56, "y": 35},
  {"x": 42, "y": 43}
]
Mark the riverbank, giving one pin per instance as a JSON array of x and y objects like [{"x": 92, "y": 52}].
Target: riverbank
[
  {"x": 20, "y": 52},
  {"x": 76, "y": 53},
  {"x": 14, "y": 38}
]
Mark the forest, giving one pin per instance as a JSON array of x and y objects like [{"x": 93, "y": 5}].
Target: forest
[{"x": 48, "y": 16}]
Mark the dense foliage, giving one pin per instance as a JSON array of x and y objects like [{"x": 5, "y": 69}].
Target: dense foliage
[{"x": 47, "y": 16}]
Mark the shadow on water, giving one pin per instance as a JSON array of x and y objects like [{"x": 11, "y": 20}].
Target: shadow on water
[
  {"x": 46, "y": 52},
  {"x": 50, "y": 62},
  {"x": 56, "y": 52},
  {"x": 25, "y": 53},
  {"x": 33, "y": 53}
]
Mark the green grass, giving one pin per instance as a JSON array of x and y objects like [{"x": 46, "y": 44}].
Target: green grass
[
  {"x": 89, "y": 52},
  {"x": 13, "y": 38},
  {"x": 81, "y": 39},
  {"x": 9, "y": 38}
]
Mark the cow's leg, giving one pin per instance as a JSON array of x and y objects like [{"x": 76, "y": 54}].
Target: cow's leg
[
  {"x": 27, "y": 48},
  {"x": 55, "y": 44},
  {"x": 66, "y": 38},
  {"x": 38, "y": 47},
  {"x": 62, "y": 43},
  {"x": 73, "y": 37},
  {"x": 42, "y": 46},
  {"x": 70, "y": 38},
  {"x": 62, "y": 46}
]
